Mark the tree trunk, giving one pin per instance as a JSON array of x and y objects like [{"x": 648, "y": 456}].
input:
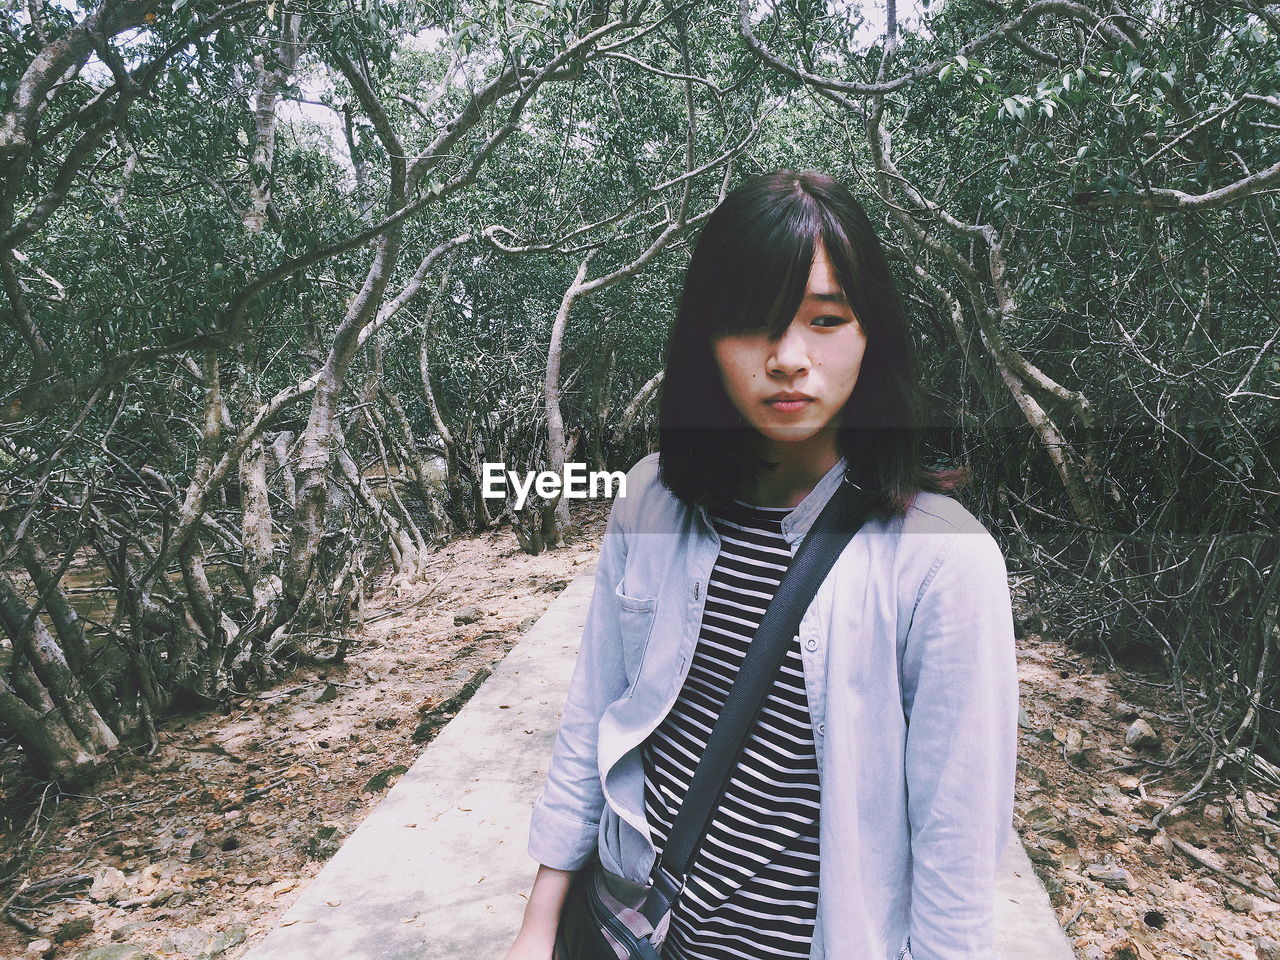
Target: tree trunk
[
  {"x": 62, "y": 689},
  {"x": 632, "y": 409},
  {"x": 551, "y": 396},
  {"x": 256, "y": 521},
  {"x": 601, "y": 383},
  {"x": 45, "y": 738},
  {"x": 274, "y": 68}
]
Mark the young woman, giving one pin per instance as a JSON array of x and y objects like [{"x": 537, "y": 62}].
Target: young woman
[{"x": 870, "y": 808}]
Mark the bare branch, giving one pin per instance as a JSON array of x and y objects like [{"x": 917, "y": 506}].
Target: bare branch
[
  {"x": 1163, "y": 198},
  {"x": 1042, "y": 8}
]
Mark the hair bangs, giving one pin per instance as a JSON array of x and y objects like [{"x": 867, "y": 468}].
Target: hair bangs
[
  {"x": 844, "y": 263},
  {"x": 771, "y": 258}
]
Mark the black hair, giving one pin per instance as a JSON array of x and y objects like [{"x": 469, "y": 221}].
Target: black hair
[{"x": 748, "y": 272}]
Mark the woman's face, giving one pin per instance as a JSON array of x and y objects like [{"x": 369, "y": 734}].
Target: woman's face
[{"x": 793, "y": 389}]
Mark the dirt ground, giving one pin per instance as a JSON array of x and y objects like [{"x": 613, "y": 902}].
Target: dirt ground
[
  {"x": 1202, "y": 884},
  {"x": 196, "y": 851}
]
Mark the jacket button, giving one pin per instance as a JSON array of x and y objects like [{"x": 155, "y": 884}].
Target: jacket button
[
  {"x": 822, "y": 728},
  {"x": 811, "y": 643}
]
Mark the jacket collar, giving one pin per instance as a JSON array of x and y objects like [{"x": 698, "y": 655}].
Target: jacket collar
[{"x": 797, "y": 523}]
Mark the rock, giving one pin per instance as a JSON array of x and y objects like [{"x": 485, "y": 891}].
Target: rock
[
  {"x": 108, "y": 886},
  {"x": 330, "y": 692},
  {"x": 1108, "y": 799},
  {"x": 1213, "y": 812},
  {"x": 524, "y": 625},
  {"x": 1127, "y": 783},
  {"x": 1239, "y": 901},
  {"x": 1034, "y": 773},
  {"x": 41, "y": 947},
  {"x": 467, "y": 615},
  {"x": 1074, "y": 743},
  {"x": 1070, "y": 876},
  {"x": 1117, "y": 878},
  {"x": 204, "y": 945},
  {"x": 1053, "y": 887},
  {"x": 1023, "y": 720},
  {"x": 152, "y": 874},
  {"x": 1124, "y": 711},
  {"x": 1036, "y": 855},
  {"x": 1131, "y": 948},
  {"x": 1140, "y": 735},
  {"x": 125, "y": 931},
  {"x": 119, "y": 951},
  {"x": 194, "y": 847},
  {"x": 1148, "y": 807},
  {"x": 1041, "y": 817},
  {"x": 230, "y": 937},
  {"x": 1046, "y": 821},
  {"x": 1266, "y": 948}
]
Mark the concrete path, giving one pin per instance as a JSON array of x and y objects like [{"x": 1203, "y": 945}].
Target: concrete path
[{"x": 438, "y": 870}]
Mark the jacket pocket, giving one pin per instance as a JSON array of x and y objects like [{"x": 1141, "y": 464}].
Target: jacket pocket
[{"x": 635, "y": 621}]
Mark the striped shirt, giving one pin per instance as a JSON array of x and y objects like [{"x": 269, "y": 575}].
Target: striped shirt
[{"x": 752, "y": 889}]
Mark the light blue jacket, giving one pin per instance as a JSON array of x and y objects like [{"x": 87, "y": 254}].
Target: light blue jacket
[{"x": 909, "y": 664}]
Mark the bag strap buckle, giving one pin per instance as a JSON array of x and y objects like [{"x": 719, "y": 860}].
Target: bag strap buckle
[{"x": 662, "y": 895}]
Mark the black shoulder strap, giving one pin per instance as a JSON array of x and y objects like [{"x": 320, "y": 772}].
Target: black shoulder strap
[{"x": 841, "y": 518}]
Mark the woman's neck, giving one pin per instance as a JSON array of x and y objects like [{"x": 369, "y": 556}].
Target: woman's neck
[{"x": 799, "y": 468}]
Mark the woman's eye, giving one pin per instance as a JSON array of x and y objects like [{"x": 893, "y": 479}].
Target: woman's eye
[{"x": 830, "y": 321}]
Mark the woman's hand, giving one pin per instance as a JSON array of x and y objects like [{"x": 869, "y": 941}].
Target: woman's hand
[
  {"x": 537, "y": 937},
  {"x": 530, "y": 948}
]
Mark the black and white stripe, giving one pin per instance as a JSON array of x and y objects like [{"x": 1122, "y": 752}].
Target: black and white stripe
[{"x": 752, "y": 891}]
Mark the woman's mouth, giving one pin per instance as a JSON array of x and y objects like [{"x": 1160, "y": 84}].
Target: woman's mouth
[{"x": 789, "y": 402}]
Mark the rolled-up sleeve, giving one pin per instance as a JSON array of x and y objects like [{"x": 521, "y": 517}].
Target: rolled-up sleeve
[
  {"x": 566, "y": 816},
  {"x": 960, "y": 696}
]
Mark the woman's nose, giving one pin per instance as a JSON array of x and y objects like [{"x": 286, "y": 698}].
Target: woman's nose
[{"x": 789, "y": 356}]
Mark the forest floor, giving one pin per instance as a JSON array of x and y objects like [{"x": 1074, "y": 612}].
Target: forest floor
[{"x": 197, "y": 850}]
